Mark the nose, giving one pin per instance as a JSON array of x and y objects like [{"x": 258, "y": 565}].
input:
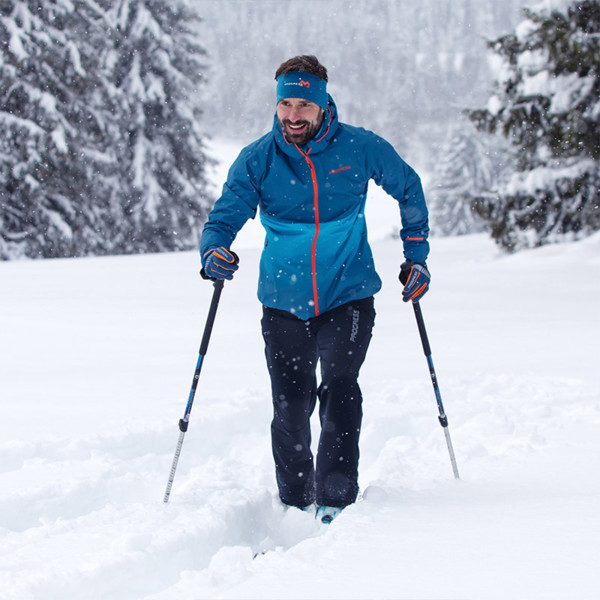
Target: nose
[{"x": 295, "y": 115}]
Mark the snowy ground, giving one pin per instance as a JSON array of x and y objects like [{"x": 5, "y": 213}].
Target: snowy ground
[{"x": 96, "y": 360}]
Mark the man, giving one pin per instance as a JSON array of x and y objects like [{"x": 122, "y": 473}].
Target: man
[{"x": 308, "y": 177}]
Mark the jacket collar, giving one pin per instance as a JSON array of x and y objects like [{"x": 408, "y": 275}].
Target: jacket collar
[{"x": 318, "y": 143}]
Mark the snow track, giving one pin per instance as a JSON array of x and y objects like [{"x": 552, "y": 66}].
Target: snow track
[{"x": 83, "y": 518}]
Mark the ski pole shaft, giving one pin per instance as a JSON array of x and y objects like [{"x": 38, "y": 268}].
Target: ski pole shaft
[
  {"x": 183, "y": 422},
  {"x": 442, "y": 414}
]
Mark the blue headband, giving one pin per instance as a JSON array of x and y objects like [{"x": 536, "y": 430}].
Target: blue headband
[{"x": 297, "y": 84}]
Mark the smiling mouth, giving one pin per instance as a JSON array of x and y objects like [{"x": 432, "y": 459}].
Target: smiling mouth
[{"x": 296, "y": 127}]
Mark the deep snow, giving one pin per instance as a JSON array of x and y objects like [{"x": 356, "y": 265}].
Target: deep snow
[{"x": 97, "y": 356}]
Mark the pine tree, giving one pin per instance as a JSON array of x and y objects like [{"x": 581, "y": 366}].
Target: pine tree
[
  {"x": 86, "y": 165},
  {"x": 466, "y": 167},
  {"x": 155, "y": 66},
  {"x": 547, "y": 104},
  {"x": 46, "y": 129}
]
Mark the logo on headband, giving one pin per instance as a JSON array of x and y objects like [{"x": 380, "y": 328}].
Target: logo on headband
[{"x": 300, "y": 83}]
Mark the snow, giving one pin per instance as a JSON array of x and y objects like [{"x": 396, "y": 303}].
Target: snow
[
  {"x": 541, "y": 178},
  {"x": 59, "y": 139},
  {"x": 564, "y": 90},
  {"x": 494, "y": 105},
  {"x": 15, "y": 44},
  {"x": 96, "y": 360}
]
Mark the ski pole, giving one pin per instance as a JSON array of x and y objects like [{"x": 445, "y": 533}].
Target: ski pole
[
  {"x": 442, "y": 418},
  {"x": 183, "y": 423}
]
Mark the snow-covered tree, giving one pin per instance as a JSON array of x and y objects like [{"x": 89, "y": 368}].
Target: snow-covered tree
[
  {"x": 155, "y": 66},
  {"x": 466, "y": 167},
  {"x": 46, "y": 129},
  {"x": 547, "y": 104},
  {"x": 76, "y": 176}
]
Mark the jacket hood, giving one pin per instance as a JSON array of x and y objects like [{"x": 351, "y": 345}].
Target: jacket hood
[{"x": 319, "y": 142}]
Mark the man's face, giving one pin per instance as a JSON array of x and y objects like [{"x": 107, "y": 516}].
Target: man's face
[{"x": 299, "y": 119}]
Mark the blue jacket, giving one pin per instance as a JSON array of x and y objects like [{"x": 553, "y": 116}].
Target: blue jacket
[{"x": 312, "y": 205}]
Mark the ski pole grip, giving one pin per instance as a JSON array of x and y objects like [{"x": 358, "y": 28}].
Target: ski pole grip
[
  {"x": 422, "y": 331},
  {"x": 212, "y": 312}
]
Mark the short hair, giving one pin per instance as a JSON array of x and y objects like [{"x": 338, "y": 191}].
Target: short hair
[{"x": 304, "y": 64}]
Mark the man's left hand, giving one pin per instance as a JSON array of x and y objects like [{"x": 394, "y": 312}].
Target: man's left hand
[{"x": 415, "y": 278}]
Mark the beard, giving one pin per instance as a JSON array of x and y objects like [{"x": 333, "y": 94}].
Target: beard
[{"x": 299, "y": 135}]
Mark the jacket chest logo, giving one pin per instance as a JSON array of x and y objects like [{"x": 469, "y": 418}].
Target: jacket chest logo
[{"x": 339, "y": 170}]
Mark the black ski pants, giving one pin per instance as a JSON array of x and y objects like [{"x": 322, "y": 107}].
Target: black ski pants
[{"x": 338, "y": 339}]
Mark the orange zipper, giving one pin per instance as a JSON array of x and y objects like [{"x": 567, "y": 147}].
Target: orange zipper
[{"x": 313, "y": 175}]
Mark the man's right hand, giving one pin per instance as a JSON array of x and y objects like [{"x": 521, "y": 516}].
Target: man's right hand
[{"x": 220, "y": 263}]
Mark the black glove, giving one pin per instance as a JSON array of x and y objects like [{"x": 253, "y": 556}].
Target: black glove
[
  {"x": 220, "y": 263},
  {"x": 415, "y": 278}
]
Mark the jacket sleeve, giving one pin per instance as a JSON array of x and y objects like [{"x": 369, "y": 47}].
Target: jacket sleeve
[
  {"x": 238, "y": 203},
  {"x": 401, "y": 182}
]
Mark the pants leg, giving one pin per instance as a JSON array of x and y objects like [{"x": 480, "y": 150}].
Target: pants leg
[
  {"x": 339, "y": 339},
  {"x": 291, "y": 354},
  {"x": 343, "y": 337}
]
